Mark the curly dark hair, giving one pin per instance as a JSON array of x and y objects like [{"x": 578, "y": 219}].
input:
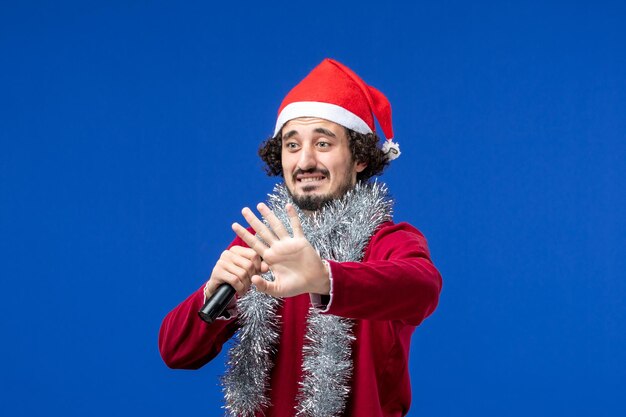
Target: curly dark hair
[{"x": 364, "y": 148}]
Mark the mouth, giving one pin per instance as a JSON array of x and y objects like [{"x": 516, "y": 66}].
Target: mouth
[{"x": 310, "y": 179}]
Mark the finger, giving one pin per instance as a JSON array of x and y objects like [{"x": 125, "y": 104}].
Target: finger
[
  {"x": 247, "y": 253},
  {"x": 250, "y": 240},
  {"x": 294, "y": 220},
  {"x": 259, "y": 227},
  {"x": 264, "y": 267},
  {"x": 266, "y": 287},
  {"x": 243, "y": 271},
  {"x": 259, "y": 283},
  {"x": 224, "y": 277},
  {"x": 244, "y": 256},
  {"x": 276, "y": 225},
  {"x": 250, "y": 268}
]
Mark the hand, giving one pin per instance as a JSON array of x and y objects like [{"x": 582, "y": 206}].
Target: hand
[
  {"x": 296, "y": 265},
  {"x": 236, "y": 266}
]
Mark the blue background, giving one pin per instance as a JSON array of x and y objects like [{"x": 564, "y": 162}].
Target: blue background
[{"x": 128, "y": 145}]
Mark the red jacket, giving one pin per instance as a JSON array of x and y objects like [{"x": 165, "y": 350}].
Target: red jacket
[{"x": 389, "y": 293}]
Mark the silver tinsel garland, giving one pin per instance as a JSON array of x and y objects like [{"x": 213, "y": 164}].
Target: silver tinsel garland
[{"x": 340, "y": 231}]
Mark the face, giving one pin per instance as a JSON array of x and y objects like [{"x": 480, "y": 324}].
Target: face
[{"x": 317, "y": 162}]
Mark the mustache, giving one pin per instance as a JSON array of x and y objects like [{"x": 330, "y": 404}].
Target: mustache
[{"x": 299, "y": 171}]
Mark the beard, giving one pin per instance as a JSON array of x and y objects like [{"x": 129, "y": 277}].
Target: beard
[{"x": 317, "y": 202}]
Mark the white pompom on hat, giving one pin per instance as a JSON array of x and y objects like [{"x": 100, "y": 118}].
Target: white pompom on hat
[{"x": 334, "y": 92}]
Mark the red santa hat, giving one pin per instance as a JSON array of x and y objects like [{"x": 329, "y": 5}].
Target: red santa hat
[{"x": 334, "y": 92}]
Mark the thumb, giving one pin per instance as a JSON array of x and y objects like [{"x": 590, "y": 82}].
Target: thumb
[
  {"x": 259, "y": 283},
  {"x": 264, "y": 286}
]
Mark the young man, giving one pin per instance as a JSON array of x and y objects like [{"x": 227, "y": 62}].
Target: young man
[{"x": 329, "y": 289}]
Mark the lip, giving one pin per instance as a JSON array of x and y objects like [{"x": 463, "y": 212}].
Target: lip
[
  {"x": 310, "y": 175},
  {"x": 310, "y": 179}
]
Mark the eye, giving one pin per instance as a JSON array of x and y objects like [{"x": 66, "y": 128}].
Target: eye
[
  {"x": 291, "y": 146},
  {"x": 323, "y": 144}
]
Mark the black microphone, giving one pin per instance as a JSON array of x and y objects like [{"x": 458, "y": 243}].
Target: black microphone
[{"x": 216, "y": 303}]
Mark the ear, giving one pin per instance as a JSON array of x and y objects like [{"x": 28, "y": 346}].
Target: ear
[{"x": 360, "y": 166}]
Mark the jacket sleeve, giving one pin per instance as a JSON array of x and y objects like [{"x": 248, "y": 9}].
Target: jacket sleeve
[
  {"x": 395, "y": 281},
  {"x": 185, "y": 340}
]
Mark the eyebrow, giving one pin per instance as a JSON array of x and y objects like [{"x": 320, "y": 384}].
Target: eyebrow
[
  {"x": 289, "y": 134},
  {"x": 321, "y": 130},
  {"x": 325, "y": 132}
]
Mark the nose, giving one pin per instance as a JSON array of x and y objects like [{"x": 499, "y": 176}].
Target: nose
[{"x": 307, "y": 159}]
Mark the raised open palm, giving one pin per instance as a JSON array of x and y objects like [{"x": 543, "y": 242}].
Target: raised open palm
[{"x": 295, "y": 264}]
